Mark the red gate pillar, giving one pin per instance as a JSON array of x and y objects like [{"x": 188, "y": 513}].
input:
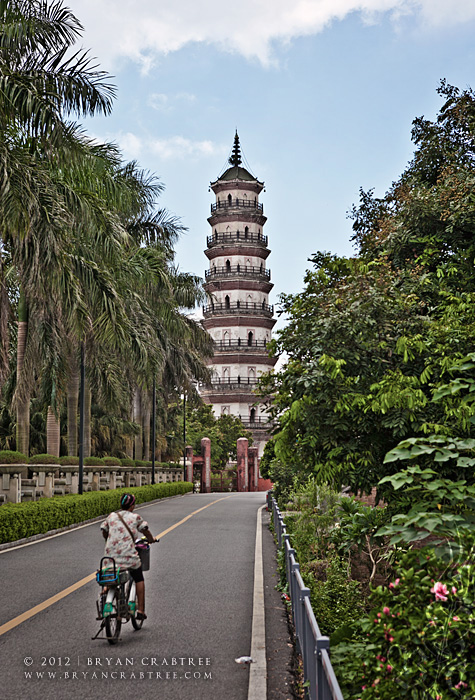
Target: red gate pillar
[
  {"x": 242, "y": 464},
  {"x": 206, "y": 453},
  {"x": 189, "y": 463},
  {"x": 253, "y": 468}
]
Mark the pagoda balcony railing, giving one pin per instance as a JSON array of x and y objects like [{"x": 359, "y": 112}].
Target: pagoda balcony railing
[
  {"x": 258, "y": 424},
  {"x": 233, "y": 383},
  {"x": 236, "y": 237},
  {"x": 239, "y": 307},
  {"x": 239, "y": 271},
  {"x": 236, "y": 204},
  {"x": 240, "y": 344}
]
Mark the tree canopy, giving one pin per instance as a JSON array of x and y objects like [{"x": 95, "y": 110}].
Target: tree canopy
[{"x": 371, "y": 338}]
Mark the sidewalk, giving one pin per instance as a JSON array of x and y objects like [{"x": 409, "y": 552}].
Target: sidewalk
[{"x": 279, "y": 647}]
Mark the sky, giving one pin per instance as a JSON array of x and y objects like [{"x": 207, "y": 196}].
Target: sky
[{"x": 322, "y": 93}]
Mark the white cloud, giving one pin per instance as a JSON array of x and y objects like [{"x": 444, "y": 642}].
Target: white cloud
[
  {"x": 174, "y": 147},
  {"x": 130, "y": 145},
  {"x": 167, "y": 103},
  {"x": 142, "y": 31},
  {"x": 178, "y": 147}
]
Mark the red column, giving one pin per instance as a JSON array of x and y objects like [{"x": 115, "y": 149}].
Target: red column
[
  {"x": 206, "y": 453},
  {"x": 242, "y": 464},
  {"x": 189, "y": 463},
  {"x": 253, "y": 468}
]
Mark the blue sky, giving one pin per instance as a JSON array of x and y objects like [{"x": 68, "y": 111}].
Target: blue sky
[{"x": 322, "y": 92}]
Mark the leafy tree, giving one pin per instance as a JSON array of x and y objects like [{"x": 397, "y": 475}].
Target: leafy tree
[{"x": 371, "y": 338}]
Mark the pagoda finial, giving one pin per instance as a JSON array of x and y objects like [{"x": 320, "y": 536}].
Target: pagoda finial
[{"x": 235, "y": 157}]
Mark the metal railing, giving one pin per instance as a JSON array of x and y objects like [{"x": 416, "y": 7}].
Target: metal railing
[
  {"x": 233, "y": 203},
  {"x": 312, "y": 645},
  {"x": 258, "y": 423},
  {"x": 239, "y": 307},
  {"x": 240, "y": 344},
  {"x": 238, "y": 270},
  {"x": 236, "y": 237}
]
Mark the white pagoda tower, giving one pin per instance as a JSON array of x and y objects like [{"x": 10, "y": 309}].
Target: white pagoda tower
[{"x": 238, "y": 316}]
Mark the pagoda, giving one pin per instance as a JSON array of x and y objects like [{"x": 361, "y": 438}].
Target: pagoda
[{"x": 238, "y": 316}]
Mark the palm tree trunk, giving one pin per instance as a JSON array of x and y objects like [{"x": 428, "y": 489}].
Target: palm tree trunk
[
  {"x": 138, "y": 419},
  {"x": 146, "y": 431},
  {"x": 73, "y": 397},
  {"x": 53, "y": 433},
  {"x": 23, "y": 404},
  {"x": 87, "y": 420}
]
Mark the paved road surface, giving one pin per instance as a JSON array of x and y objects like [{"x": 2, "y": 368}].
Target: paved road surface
[{"x": 199, "y": 606}]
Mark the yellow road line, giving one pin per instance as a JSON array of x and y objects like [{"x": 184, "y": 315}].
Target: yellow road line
[{"x": 79, "y": 584}]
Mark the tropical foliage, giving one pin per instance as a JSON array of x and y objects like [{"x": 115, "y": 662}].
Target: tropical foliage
[
  {"x": 86, "y": 256},
  {"x": 378, "y": 395}
]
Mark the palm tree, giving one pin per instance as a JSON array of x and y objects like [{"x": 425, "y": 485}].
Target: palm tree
[{"x": 39, "y": 87}]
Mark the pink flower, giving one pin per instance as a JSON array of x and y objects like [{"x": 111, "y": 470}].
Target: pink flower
[
  {"x": 456, "y": 618},
  {"x": 461, "y": 685},
  {"x": 391, "y": 639},
  {"x": 454, "y": 590},
  {"x": 386, "y": 610},
  {"x": 440, "y": 590},
  {"x": 396, "y": 583},
  {"x": 389, "y": 668}
]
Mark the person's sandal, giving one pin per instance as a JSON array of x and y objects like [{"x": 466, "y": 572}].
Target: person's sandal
[{"x": 141, "y": 616}]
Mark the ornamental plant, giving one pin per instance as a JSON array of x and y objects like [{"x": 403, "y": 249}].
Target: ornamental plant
[
  {"x": 419, "y": 639},
  {"x": 12, "y": 457},
  {"x": 44, "y": 459}
]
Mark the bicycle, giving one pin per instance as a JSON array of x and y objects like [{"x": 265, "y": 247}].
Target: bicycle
[{"x": 119, "y": 604}]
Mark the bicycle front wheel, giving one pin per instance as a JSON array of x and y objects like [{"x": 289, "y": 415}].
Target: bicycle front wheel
[
  {"x": 136, "y": 624},
  {"x": 113, "y": 622}
]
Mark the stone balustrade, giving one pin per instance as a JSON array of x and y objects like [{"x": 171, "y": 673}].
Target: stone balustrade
[{"x": 28, "y": 482}]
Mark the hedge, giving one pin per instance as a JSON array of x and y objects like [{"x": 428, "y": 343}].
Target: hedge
[
  {"x": 43, "y": 459},
  {"x": 19, "y": 520},
  {"x": 12, "y": 457}
]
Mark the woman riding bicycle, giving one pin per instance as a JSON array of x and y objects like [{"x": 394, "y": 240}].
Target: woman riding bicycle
[{"x": 121, "y": 529}]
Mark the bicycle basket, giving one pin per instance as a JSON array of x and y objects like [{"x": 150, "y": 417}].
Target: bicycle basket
[{"x": 143, "y": 550}]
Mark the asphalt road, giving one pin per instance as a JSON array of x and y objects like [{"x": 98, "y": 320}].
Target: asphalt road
[{"x": 199, "y": 605}]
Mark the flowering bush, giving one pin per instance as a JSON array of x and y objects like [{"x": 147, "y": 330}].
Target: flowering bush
[{"x": 419, "y": 640}]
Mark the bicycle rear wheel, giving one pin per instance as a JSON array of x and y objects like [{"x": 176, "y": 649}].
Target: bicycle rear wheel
[{"x": 113, "y": 622}]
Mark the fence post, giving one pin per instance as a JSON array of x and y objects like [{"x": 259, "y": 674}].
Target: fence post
[
  {"x": 321, "y": 643},
  {"x": 299, "y": 620}
]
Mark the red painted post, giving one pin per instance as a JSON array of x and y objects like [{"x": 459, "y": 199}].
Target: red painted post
[
  {"x": 242, "y": 464},
  {"x": 206, "y": 454},
  {"x": 253, "y": 468},
  {"x": 189, "y": 463}
]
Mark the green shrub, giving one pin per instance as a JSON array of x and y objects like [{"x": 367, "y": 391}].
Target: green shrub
[
  {"x": 140, "y": 463},
  {"x": 419, "y": 640},
  {"x": 44, "y": 459},
  {"x": 19, "y": 520},
  {"x": 12, "y": 457},
  {"x": 68, "y": 460},
  {"x": 94, "y": 462},
  {"x": 336, "y": 600},
  {"x": 111, "y": 461},
  {"x": 127, "y": 462}
]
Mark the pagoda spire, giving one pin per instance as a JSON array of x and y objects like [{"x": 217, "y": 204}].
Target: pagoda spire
[{"x": 235, "y": 157}]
